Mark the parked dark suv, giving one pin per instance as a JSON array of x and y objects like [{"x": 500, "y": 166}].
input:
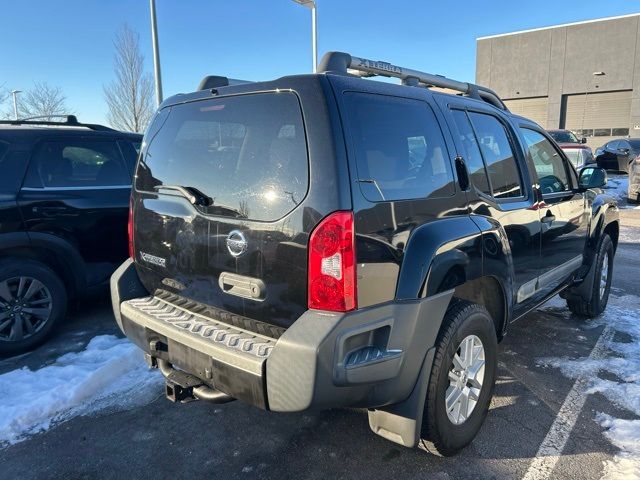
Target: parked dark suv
[
  {"x": 329, "y": 241},
  {"x": 64, "y": 197}
]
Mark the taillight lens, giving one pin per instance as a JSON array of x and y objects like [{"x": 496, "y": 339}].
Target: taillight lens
[
  {"x": 130, "y": 229},
  {"x": 332, "y": 264}
]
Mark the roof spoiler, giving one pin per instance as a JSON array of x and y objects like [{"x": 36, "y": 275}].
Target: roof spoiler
[
  {"x": 344, "y": 64},
  {"x": 216, "y": 81}
]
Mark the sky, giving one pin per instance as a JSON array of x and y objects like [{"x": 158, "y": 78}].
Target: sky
[{"x": 69, "y": 43}]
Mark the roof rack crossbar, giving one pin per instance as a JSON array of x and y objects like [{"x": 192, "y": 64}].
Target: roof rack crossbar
[
  {"x": 70, "y": 121},
  {"x": 343, "y": 63}
]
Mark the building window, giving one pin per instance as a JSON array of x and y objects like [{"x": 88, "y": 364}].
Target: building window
[
  {"x": 602, "y": 132},
  {"x": 620, "y": 132}
]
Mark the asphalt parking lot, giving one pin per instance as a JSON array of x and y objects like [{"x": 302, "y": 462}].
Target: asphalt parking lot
[{"x": 542, "y": 423}]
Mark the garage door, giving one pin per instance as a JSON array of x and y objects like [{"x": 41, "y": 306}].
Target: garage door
[
  {"x": 532, "y": 108},
  {"x": 599, "y": 114}
]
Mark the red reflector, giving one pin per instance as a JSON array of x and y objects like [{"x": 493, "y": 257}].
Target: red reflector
[
  {"x": 332, "y": 264},
  {"x": 130, "y": 229}
]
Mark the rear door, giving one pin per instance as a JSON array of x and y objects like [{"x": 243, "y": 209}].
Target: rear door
[
  {"x": 78, "y": 188},
  {"x": 216, "y": 207}
]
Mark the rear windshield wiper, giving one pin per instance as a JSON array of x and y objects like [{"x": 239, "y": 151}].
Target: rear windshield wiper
[
  {"x": 195, "y": 196},
  {"x": 225, "y": 210}
]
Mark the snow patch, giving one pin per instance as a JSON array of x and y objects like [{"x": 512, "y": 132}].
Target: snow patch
[
  {"x": 624, "y": 434},
  {"x": 108, "y": 374},
  {"x": 622, "y": 315}
]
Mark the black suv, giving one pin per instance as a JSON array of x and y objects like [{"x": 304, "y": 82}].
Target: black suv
[
  {"x": 64, "y": 195},
  {"x": 329, "y": 241}
]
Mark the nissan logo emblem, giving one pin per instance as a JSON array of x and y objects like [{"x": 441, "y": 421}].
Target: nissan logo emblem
[{"x": 236, "y": 243}]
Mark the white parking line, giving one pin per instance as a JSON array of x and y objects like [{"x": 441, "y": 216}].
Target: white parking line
[{"x": 553, "y": 444}]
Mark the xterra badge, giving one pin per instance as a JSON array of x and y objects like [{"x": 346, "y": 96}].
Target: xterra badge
[{"x": 159, "y": 261}]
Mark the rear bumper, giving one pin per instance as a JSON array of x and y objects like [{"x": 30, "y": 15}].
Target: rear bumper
[{"x": 366, "y": 358}]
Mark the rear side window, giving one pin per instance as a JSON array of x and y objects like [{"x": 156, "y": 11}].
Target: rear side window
[
  {"x": 248, "y": 153},
  {"x": 77, "y": 163},
  {"x": 472, "y": 155},
  {"x": 399, "y": 148},
  {"x": 498, "y": 156}
]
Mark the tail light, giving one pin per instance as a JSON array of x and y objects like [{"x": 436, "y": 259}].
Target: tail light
[
  {"x": 130, "y": 229},
  {"x": 332, "y": 264}
]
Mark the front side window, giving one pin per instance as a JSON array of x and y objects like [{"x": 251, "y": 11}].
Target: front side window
[
  {"x": 549, "y": 165},
  {"x": 78, "y": 163},
  {"x": 399, "y": 148},
  {"x": 498, "y": 156}
]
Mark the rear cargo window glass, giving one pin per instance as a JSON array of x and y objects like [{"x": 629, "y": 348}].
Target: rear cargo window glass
[
  {"x": 399, "y": 148},
  {"x": 247, "y": 153},
  {"x": 12, "y": 166},
  {"x": 498, "y": 156}
]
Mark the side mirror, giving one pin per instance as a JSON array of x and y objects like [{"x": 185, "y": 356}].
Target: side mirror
[
  {"x": 592, "y": 177},
  {"x": 623, "y": 151},
  {"x": 583, "y": 140}
]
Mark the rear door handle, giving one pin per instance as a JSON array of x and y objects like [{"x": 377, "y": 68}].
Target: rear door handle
[{"x": 548, "y": 218}]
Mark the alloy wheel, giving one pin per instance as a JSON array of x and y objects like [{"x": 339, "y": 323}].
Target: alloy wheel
[
  {"x": 604, "y": 275},
  {"x": 25, "y": 307},
  {"x": 466, "y": 376}
]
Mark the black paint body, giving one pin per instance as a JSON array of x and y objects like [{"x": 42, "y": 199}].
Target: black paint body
[
  {"x": 405, "y": 249},
  {"x": 81, "y": 233}
]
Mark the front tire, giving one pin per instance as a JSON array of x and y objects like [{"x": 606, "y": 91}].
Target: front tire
[
  {"x": 601, "y": 283},
  {"x": 462, "y": 379},
  {"x": 32, "y": 300}
]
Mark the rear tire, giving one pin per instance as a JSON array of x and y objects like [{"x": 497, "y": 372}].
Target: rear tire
[
  {"x": 601, "y": 284},
  {"x": 33, "y": 299},
  {"x": 449, "y": 425}
]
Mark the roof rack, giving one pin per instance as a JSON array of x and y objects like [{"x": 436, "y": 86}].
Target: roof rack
[
  {"x": 69, "y": 121},
  {"x": 216, "y": 81},
  {"x": 344, "y": 64}
]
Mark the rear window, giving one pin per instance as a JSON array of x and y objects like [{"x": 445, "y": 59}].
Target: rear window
[
  {"x": 248, "y": 153},
  {"x": 399, "y": 148}
]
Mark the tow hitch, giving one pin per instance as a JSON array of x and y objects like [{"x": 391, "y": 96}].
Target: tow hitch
[{"x": 183, "y": 387}]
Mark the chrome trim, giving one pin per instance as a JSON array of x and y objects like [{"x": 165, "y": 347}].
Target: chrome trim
[
  {"x": 96, "y": 187},
  {"x": 560, "y": 272}
]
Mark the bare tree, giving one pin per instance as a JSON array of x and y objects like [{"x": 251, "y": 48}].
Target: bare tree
[
  {"x": 130, "y": 96},
  {"x": 43, "y": 100}
]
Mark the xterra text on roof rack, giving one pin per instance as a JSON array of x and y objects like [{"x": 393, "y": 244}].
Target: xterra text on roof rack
[{"x": 326, "y": 241}]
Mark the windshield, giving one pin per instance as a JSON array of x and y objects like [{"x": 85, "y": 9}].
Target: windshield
[
  {"x": 564, "y": 137},
  {"x": 247, "y": 154}
]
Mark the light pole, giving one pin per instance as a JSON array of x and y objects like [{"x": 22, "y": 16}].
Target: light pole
[
  {"x": 156, "y": 52},
  {"x": 311, "y": 4},
  {"x": 15, "y": 103},
  {"x": 586, "y": 92}
]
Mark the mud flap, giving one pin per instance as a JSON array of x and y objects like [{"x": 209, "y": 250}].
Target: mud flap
[{"x": 402, "y": 423}]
